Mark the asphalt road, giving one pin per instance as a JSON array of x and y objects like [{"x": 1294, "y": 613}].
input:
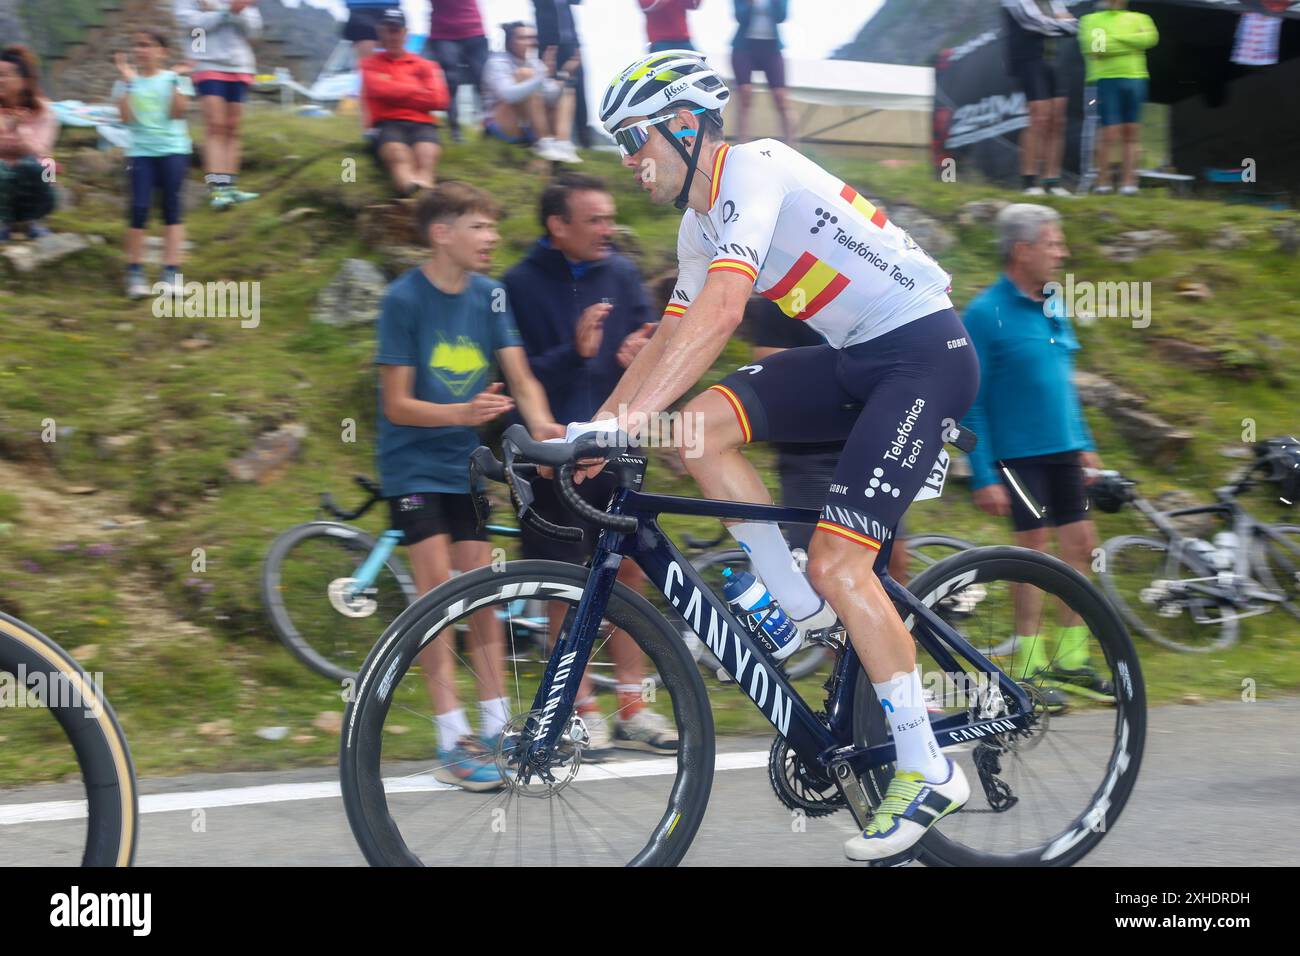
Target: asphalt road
[{"x": 1219, "y": 785}]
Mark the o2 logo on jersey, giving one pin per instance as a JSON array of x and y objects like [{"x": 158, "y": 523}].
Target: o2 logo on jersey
[
  {"x": 823, "y": 216},
  {"x": 729, "y": 213}
]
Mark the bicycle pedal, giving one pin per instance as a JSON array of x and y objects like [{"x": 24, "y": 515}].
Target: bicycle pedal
[{"x": 901, "y": 859}]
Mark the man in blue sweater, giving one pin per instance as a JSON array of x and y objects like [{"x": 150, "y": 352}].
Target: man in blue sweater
[
  {"x": 1028, "y": 417},
  {"x": 583, "y": 315}
]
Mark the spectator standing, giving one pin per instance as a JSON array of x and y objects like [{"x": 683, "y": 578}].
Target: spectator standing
[
  {"x": 218, "y": 33},
  {"x": 1031, "y": 53},
  {"x": 440, "y": 327},
  {"x": 522, "y": 103},
  {"x": 1027, "y": 416},
  {"x": 152, "y": 102},
  {"x": 459, "y": 45},
  {"x": 665, "y": 24},
  {"x": 1114, "y": 41},
  {"x": 400, "y": 91},
  {"x": 561, "y": 51},
  {"x": 757, "y": 48},
  {"x": 584, "y": 316},
  {"x": 27, "y": 133}
]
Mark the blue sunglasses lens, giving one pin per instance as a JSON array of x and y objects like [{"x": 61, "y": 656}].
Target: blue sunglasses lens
[{"x": 630, "y": 140}]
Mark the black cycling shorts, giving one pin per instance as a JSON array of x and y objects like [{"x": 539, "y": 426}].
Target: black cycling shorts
[
  {"x": 1038, "y": 79},
  {"x": 427, "y": 513},
  {"x": 406, "y": 132},
  {"x": 887, "y": 399},
  {"x": 1055, "y": 481}
]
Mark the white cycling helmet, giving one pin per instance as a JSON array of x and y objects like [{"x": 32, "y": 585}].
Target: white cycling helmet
[
  {"x": 652, "y": 82},
  {"x": 647, "y": 88}
]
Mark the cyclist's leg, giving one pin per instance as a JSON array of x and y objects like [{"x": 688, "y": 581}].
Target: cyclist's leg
[
  {"x": 911, "y": 383},
  {"x": 770, "y": 400},
  {"x": 470, "y": 550}
]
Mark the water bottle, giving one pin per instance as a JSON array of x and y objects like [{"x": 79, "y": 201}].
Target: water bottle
[
  {"x": 1205, "y": 550},
  {"x": 1225, "y": 550},
  {"x": 761, "y": 614}
]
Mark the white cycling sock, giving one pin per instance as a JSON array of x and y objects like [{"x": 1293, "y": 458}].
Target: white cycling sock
[
  {"x": 771, "y": 557},
  {"x": 451, "y": 727},
  {"x": 493, "y": 715},
  {"x": 904, "y": 706}
]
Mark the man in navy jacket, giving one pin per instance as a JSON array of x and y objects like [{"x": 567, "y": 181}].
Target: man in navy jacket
[{"x": 583, "y": 315}]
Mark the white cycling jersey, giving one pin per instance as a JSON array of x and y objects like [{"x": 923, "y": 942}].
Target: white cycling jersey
[{"x": 810, "y": 242}]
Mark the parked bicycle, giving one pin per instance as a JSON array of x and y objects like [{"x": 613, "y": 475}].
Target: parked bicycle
[
  {"x": 58, "y": 718},
  {"x": 1035, "y": 805},
  {"x": 1188, "y": 593}
]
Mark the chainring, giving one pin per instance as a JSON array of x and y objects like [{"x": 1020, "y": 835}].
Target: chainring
[{"x": 796, "y": 787}]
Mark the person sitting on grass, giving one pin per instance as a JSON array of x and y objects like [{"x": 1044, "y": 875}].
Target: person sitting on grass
[
  {"x": 400, "y": 90},
  {"x": 153, "y": 102},
  {"x": 27, "y": 132},
  {"x": 441, "y": 325},
  {"x": 522, "y": 104}
]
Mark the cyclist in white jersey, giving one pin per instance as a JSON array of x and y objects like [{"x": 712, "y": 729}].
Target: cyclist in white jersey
[{"x": 897, "y": 373}]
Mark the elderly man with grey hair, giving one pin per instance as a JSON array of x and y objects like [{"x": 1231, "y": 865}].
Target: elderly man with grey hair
[{"x": 1028, "y": 418}]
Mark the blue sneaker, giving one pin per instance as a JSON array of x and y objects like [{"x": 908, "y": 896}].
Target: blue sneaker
[
  {"x": 470, "y": 766},
  {"x": 911, "y": 806}
]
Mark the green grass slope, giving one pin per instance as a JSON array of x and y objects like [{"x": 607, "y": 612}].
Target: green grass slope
[{"x": 146, "y": 422}]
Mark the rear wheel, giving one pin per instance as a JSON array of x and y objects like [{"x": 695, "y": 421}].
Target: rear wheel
[
  {"x": 1046, "y": 795},
  {"x": 633, "y": 807}
]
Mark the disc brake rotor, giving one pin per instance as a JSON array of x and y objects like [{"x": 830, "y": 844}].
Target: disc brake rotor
[{"x": 547, "y": 773}]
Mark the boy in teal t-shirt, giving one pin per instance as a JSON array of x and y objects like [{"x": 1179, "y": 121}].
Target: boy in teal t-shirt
[{"x": 152, "y": 102}]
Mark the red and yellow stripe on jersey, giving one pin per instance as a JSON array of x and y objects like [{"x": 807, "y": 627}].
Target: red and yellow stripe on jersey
[
  {"x": 736, "y": 407},
  {"x": 738, "y": 266},
  {"x": 675, "y": 309},
  {"x": 719, "y": 160},
  {"x": 807, "y": 288},
  {"x": 854, "y": 536},
  {"x": 859, "y": 202}
]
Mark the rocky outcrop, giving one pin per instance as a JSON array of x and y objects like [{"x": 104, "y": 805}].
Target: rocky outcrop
[
  {"x": 352, "y": 296},
  {"x": 1161, "y": 443}
]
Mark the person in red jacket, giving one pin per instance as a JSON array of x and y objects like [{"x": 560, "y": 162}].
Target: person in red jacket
[
  {"x": 665, "y": 24},
  {"x": 400, "y": 90}
]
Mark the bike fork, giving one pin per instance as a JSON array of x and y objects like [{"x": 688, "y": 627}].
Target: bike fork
[{"x": 558, "y": 691}]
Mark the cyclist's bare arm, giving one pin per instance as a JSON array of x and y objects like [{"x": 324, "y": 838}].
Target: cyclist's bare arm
[
  {"x": 644, "y": 363},
  {"x": 528, "y": 393},
  {"x": 697, "y": 342}
]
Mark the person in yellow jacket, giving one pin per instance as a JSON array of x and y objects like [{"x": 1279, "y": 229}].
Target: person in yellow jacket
[{"x": 1114, "y": 41}]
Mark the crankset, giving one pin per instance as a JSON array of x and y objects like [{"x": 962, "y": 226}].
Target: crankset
[{"x": 797, "y": 787}]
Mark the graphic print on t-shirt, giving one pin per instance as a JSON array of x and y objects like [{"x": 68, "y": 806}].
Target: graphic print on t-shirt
[{"x": 458, "y": 364}]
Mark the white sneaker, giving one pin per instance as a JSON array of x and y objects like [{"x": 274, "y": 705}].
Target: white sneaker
[
  {"x": 645, "y": 730},
  {"x": 597, "y": 730},
  {"x": 550, "y": 150},
  {"x": 567, "y": 151},
  {"x": 1035, "y": 191},
  {"x": 1103, "y": 190},
  {"x": 137, "y": 286},
  {"x": 911, "y": 806},
  {"x": 1128, "y": 190},
  {"x": 1061, "y": 192}
]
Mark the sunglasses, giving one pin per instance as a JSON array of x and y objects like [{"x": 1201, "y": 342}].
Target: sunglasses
[{"x": 631, "y": 139}]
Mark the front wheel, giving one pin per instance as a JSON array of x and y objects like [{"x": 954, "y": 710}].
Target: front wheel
[
  {"x": 317, "y": 608},
  {"x": 1162, "y": 595},
  {"x": 1045, "y": 795},
  {"x": 414, "y": 798},
  {"x": 62, "y": 728}
]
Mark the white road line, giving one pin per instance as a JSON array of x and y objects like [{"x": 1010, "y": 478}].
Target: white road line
[{"x": 19, "y": 813}]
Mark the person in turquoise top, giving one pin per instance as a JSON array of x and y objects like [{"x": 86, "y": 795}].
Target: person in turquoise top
[
  {"x": 152, "y": 102},
  {"x": 1114, "y": 41},
  {"x": 1027, "y": 416}
]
